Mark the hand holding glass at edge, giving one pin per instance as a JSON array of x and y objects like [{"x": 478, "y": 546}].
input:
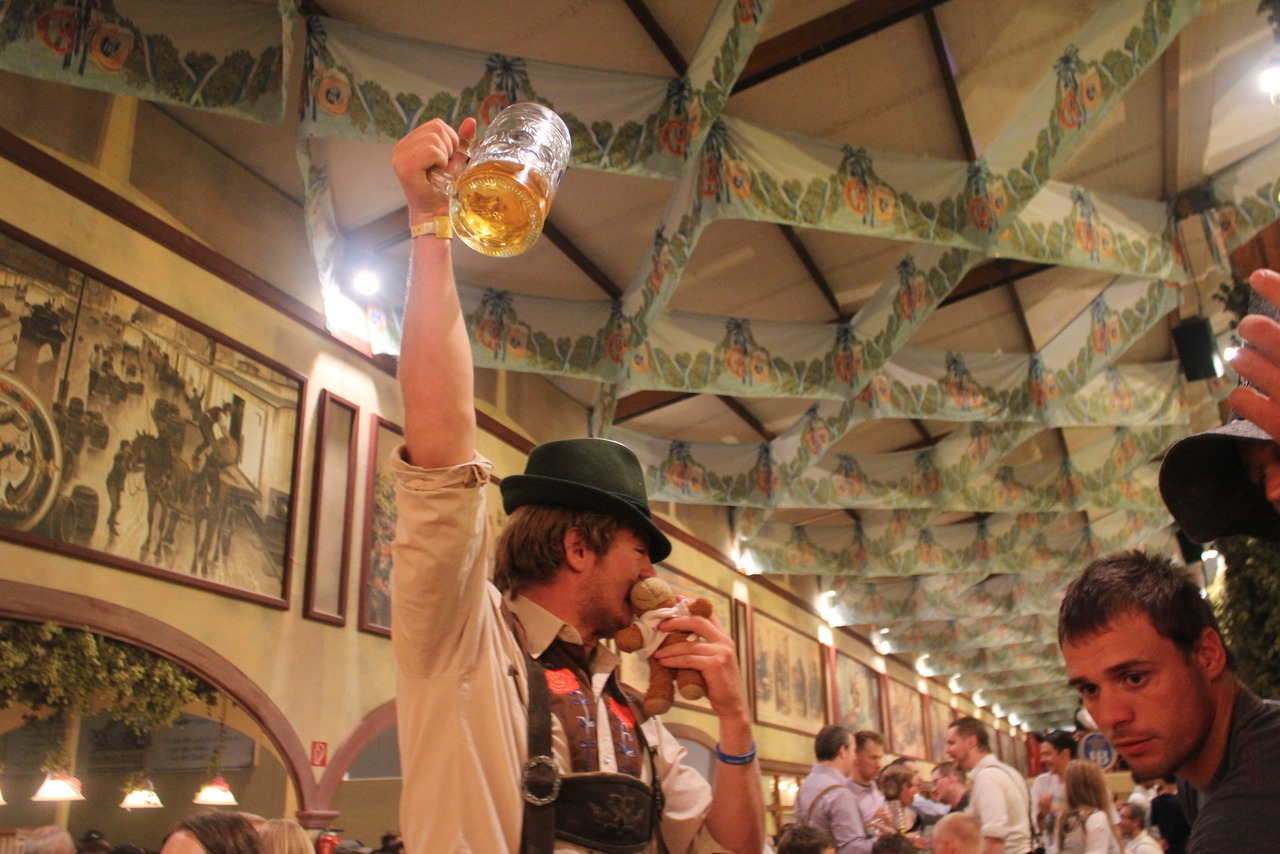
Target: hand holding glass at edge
[{"x": 499, "y": 202}]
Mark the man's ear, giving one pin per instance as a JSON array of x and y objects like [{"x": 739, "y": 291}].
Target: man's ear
[
  {"x": 577, "y": 553},
  {"x": 1210, "y": 653}
]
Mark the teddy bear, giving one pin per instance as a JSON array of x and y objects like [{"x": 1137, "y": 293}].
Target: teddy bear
[{"x": 653, "y": 602}]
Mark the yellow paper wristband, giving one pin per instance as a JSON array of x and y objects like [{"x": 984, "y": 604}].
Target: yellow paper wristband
[{"x": 439, "y": 226}]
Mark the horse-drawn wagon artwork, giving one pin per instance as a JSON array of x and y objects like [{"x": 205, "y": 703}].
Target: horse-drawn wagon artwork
[{"x": 136, "y": 437}]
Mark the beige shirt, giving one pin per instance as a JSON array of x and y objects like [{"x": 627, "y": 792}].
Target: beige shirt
[{"x": 461, "y": 683}]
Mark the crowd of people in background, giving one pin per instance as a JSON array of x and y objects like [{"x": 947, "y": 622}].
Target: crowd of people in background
[
  {"x": 208, "y": 832},
  {"x": 849, "y": 804}
]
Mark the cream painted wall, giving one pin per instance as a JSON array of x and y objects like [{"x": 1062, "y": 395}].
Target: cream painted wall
[{"x": 323, "y": 678}]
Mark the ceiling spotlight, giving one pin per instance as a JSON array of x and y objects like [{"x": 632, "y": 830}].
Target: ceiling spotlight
[
  {"x": 1269, "y": 81},
  {"x": 366, "y": 282}
]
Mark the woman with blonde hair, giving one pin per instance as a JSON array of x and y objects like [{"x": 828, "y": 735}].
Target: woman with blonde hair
[
  {"x": 285, "y": 836},
  {"x": 1085, "y": 826}
]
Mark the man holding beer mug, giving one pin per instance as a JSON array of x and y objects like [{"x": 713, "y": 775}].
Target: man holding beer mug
[{"x": 502, "y": 751}]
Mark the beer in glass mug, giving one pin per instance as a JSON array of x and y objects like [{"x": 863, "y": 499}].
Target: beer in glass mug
[{"x": 500, "y": 201}]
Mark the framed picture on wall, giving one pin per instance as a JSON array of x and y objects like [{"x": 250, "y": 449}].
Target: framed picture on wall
[
  {"x": 137, "y": 437},
  {"x": 940, "y": 717},
  {"x": 856, "y": 690},
  {"x": 379, "y": 527},
  {"x": 906, "y": 719},
  {"x": 635, "y": 669},
  {"x": 789, "y": 681},
  {"x": 1005, "y": 745},
  {"x": 332, "y": 501}
]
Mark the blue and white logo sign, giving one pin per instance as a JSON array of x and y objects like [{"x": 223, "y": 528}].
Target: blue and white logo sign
[{"x": 1097, "y": 748}]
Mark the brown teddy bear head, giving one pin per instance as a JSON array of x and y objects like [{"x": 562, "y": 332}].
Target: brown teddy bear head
[{"x": 650, "y": 593}]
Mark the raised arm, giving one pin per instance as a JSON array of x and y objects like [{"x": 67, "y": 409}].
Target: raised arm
[
  {"x": 436, "y": 377},
  {"x": 736, "y": 817},
  {"x": 1260, "y": 403}
]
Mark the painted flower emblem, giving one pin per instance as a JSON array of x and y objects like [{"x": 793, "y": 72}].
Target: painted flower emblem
[
  {"x": 57, "y": 30},
  {"x": 980, "y": 213},
  {"x": 675, "y": 137},
  {"x": 333, "y": 92},
  {"x": 739, "y": 179},
  {"x": 493, "y": 103},
  {"x": 1069, "y": 113},
  {"x": 855, "y": 195},
  {"x": 1084, "y": 236},
  {"x": 110, "y": 47},
  {"x": 622, "y": 713},
  {"x": 1106, "y": 242},
  {"x": 1090, "y": 88},
  {"x": 886, "y": 202},
  {"x": 517, "y": 339},
  {"x": 562, "y": 681}
]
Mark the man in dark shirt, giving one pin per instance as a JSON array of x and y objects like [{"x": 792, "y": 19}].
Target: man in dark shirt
[{"x": 1142, "y": 647}]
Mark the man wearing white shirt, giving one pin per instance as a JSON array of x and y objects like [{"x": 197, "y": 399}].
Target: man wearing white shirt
[
  {"x": 998, "y": 796},
  {"x": 1133, "y": 827}
]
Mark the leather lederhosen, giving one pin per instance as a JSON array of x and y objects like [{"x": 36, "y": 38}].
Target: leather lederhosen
[{"x": 615, "y": 813}]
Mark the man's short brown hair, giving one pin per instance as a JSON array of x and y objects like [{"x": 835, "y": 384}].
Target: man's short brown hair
[
  {"x": 531, "y": 546},
  {"x": 862, "y": 738},
  {"x": 1134, "y": 582},
  {"x": 971, "y": 726}
]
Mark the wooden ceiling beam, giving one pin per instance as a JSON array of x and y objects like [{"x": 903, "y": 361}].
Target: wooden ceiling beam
[
  {"x": 644, "y": 402},
  {"x": 1171, "y": 72},
  {"x": 992, "y": 275},
  {"x": 811, "y": 266},
  {"x": 947, "y": 70},
  {"x": 580, "y": 260},
  {"x": 736, "y": 407},
  {"x": 925, "y": 435},
  {"x": 658, "y": 35},
  {"x": 823, "y": 34}
]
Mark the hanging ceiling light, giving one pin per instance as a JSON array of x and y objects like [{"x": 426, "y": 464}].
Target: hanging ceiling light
[
  {"x": 215, "y": 793},
  {"x": 58, "y": 787},
  {"x": 142, "y": 797}
]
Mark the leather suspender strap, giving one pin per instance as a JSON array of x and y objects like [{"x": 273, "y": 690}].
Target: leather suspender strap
[
  {"x": 821, "y": 795},
  {"x": 540, "y": 779}
]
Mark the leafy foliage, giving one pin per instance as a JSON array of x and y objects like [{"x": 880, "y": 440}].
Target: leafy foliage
[
  {"x": 1249, "y": 611},
  {"x": 52, "y": 668}
]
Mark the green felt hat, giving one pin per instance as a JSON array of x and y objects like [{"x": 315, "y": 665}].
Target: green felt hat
[{"x": 587, "y": 474}]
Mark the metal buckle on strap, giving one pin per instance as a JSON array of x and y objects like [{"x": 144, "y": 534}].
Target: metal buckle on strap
[{"x": 552, "y": 782}]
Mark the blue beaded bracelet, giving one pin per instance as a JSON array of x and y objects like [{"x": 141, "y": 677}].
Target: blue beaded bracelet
[{"x": 730, "y": 759}]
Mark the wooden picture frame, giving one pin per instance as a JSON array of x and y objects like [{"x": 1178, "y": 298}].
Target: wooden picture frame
[
  {"x": 332, "y": 503},
  {"x": 906, "y": 719},
  {"x": 940, "y": 717},
  {"x": 379, "y": 527},
  {"x": 634, "y": 670},
  {"x": 789, "y": 676},
  {"x": 856, "y": 694},
  {"x": 148, "y": 440}
]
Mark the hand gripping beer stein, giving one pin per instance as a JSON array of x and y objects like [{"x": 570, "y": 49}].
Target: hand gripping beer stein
[{"x": 499, "y": 202}]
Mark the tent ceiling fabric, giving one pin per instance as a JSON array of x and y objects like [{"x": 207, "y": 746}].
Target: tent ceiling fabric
[{"x": 899, "y": 293}]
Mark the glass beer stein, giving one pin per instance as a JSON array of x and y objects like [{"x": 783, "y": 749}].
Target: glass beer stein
[{"x": 499, "y": 203}]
